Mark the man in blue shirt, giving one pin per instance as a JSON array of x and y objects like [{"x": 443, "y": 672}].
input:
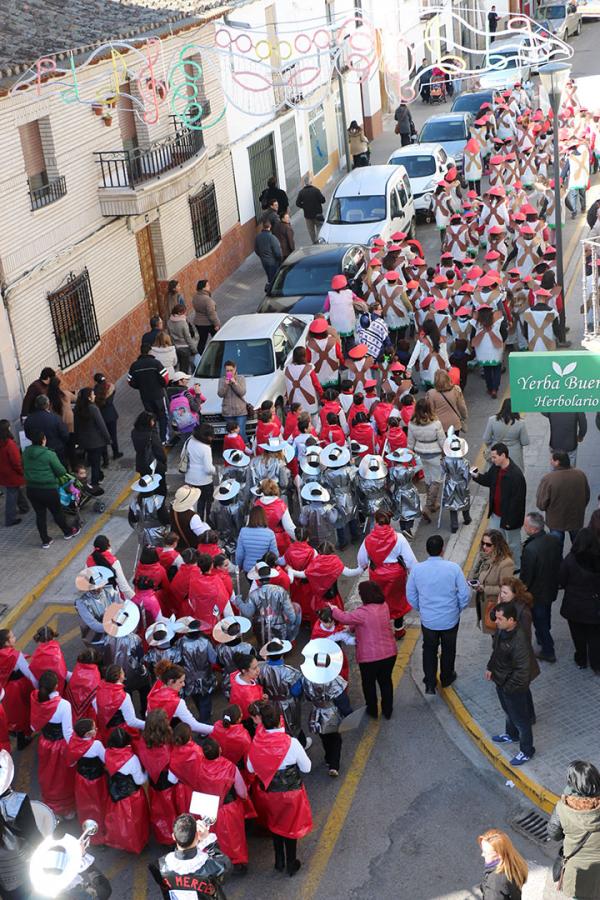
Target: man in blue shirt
[{"x": 438, "y": 590}]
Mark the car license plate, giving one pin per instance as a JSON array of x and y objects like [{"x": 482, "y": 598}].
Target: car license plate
[{"x": 219, "y": 429}]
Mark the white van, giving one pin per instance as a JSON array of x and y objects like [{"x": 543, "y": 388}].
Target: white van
[{"x": 369, "y": 202}]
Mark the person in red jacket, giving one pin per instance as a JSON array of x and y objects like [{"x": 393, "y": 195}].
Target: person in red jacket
[
  {"x": 331, "y": 404},
  {"x": 221, "y": 568},
  {"x": 358, "y": 406},
  {"x": 186, "y": 759},
  {"x": 233, "y": 440},
  {"x": 17, "y": 682},
  {"x": 380, "y": 412},
  {"x": 277, "y": 514},
  {"x": 150, "y": 568},
  {"x": 298, "y": 555},
  {"x": 231, "y": 736},
  {"x": 290, "y": 429},
  {"x": 394, "y": 437},
  {"x": 218, "y": 775},
  {"x": 362, "y": 432},
  {"x": 208, "y": 542},
  {"x": 180, "y": 586},
  {"x": 127, "y": 818},
  {"x": 154, "y": 752},
  {"x": 332, "y": 432},
  {"x": 168, "y": 555},
  {"x": 268, "y": 426},
  {"x": 11, "y": 476},
  {"x": 51, "y": 717},
  {"x": 48, "y": 656},
  {"x": 85, "y": 753},
  {"x": 207, "y": 597}
]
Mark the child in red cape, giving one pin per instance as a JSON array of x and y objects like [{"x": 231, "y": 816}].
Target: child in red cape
[
  {"x": 51, "y": 717},
  {"x": 298, "y": 555},
  {"x": 17, "y": 682},
  {"x": 218, "y": 775},
  {"x": 48, "y": 656},
  {"x": 127, "y": 819},
  {"x": 86, "y": 755},
  {"x": 154, "y": 752},
  {"x": 82, "y": 686}
]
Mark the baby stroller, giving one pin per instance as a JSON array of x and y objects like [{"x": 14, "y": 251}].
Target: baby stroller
[
  {"x": 437, "y": 89},
  {"x": 74, "y": 495}
]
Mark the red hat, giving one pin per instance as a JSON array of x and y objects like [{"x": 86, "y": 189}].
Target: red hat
[
  {"x": 451, "y": 174},
  {"x": 518, "y": 184},
  {"x": 338, "y": 282},
  {"x": 474, "y": 272},
  {"x": 392, "y": 275},
  {"x": 358, "y": 352},
  {"x": 550, "y": 251},
  {"x": 412, "y": 284},
  {"x": 418, "y": 261},
  {"x": 526, "y": 278},
  {"x": 454, "y": 374},
  {"x": 483, "y": 120},
  {"x": 485, "y": 105},
  {"x": 472, "y": 145},
  {"x": 472, "y": 195},
  {"x": 496, "y": 229},
  {"x": 497, "y": 191},
  {"x": 318, "y": 326},
  {"x": 466, "y": 288},
  {"x": 446, "y": 255},
  {"x": 496, "y": 160},
  {"x": 486, "y": 281},
  {"x": 509, "y": 157},
  {"x": 440, "y": 304},
  {"x": 455, "y": 217},
  {"x": 527, "y": 229},
  {"x": 528, "y": 210},
  {"x": 399, "y": 236},
  {"x": 375, "y": 261},
  {"x": 427, "y": 301},
  {"x": 469, "y": 215},
  {"x": 463, "y": 311},
  {"x": 495, "y": 276},
  {"x": 393, "y": 248},
  {"x": 518, "y": 217},
  {"x": 370, "y": 383},
  {"x": 514, "y": 273},
  {"x": 378, "y": 242},
  {"x": 492, "y": 255},
  {"x": 440, "y": 279},
  {"x": 397, "y": 367},
  {"x": 538, "y": 115},
  {"x": 542, "y": 292}
]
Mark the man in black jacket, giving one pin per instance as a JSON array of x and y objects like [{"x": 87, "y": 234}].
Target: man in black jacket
[
  {"x": 508, "y": 492},
  {"x": 310, "y": 200},
  {"x": 540, "y": 566},
  {"x": 567, "y": 430},
  {"x": 43, "y": 419},
  {"x": 148, "y": 376},
  {"x": 509, "y": 667},
  {"x": 197, "y": 867}
]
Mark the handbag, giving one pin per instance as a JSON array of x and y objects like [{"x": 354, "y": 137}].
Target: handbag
[
  {"x": 558, "y": 866},
  {"x": 397, "y": 128},
  {"x": 454, "y": 410},
  {"x": 184, "y": 458}
]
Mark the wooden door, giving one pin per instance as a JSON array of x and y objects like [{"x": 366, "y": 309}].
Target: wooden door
[{"x": 147, "y": 268}]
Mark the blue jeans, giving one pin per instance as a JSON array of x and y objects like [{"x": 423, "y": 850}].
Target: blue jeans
[
  {"x": 14, "y": 498},
  {"x": 517, "y": 707},
  {"x": 561, "y": 536},
  {"x": 492, "y": 375},
  {"x": 573, "y": 195},
  {"x": 541, "y": 613},
  {"x": 204, "y": 706},
  {"x": 341, "y": 532},
  {"x": 241, "y": 421}
]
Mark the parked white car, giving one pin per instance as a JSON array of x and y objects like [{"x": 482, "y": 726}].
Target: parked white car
[
  {"x": 561, "y": 19},
  {"x": 370, "y": 202},
  {"x": 261, "y": 347},
  {"x": 426, "y": 165},
  {"x": 509, "y": 62}
]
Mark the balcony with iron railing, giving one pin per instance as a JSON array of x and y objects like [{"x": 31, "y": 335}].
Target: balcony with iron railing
[
  {"x": 135, "y": 181},
  {"x": 48, "y": 193}
]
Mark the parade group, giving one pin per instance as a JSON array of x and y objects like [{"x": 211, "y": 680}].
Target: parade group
[{"x": 222, "y": 589}]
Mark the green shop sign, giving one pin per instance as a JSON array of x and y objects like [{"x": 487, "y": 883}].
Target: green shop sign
[{"x": 555, "y": 382}]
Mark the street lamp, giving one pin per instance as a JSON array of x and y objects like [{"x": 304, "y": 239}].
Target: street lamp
[{"x": 554, "y": 77}]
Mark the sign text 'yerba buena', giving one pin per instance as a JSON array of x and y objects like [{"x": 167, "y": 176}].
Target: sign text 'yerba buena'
[{"x": 555, "y": 382}]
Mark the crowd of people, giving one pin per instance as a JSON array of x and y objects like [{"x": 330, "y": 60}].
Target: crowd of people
[{"x": 242, "y": 560}]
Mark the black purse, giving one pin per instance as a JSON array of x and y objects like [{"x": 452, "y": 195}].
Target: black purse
[{"x": 558, "y": 867}]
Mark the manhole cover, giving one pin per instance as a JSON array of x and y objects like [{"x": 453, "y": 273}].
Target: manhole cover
[{"x": 532, "y": 824}]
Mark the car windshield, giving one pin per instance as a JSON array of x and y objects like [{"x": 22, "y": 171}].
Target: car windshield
[
  {"x": 443, "y": 130},
  {"x": 356, "y": 210},
  {"x": 252, "y": 357},
  {"x": 501, "y": 61},
  {"x": 304, "y": 278},
  {"x": 551, "y": 12},
  {"x": 470, "y": 102},
  {"x": 416, "y": 166}
]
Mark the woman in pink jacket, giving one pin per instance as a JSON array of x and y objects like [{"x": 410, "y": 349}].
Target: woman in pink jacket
[{"x": 375, "y": 646}]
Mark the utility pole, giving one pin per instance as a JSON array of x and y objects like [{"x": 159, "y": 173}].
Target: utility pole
[{"x": 340, "y": 81}]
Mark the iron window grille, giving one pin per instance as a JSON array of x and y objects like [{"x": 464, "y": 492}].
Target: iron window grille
[
  {"x": 205, "y": 219},
  {"x": 74, "y": 319},
  {"x": 47, "y": 193}
]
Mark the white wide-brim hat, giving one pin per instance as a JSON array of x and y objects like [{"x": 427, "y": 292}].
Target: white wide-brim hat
[
  {"x": 230, "y": 628},
  {"x": 188, "y": 625},
  {"x": 186, "y": 497},
  {"x": 454, "y": 446},
  {"x": 121, "y": 618},
  {"x": 315, "y": 492},
  {"x": 54, "y": 864},
  {"x": 334, "y": 456},
  {"x": 402, "y": 455},
  {"x": 323, "y": 660},
  {"x": 261, "y": 572},
  {"x": 277, "y": 445},
  {"x": 372, "y": 467},
  {"x": 356, "y": 449},
  {"x": 311, "y": 462},
  {"x": 235, "y": 457},
  {"x": 228, "y": 489},
  {"x": 160, "y": 633},
  {"x": 92, "y": 577},
  {"x": 146, "y": 484},
  {"x": 275, "y": 647},
  {"x": 7, "y": 770}
]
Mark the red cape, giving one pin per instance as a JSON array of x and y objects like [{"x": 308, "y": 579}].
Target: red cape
[
  {"x": 215, "y": 776},
  {"x": 76, "y": 747},
  {"x": 244, "y": 694},
  {"x": 267, "y": 753},
  {"x": 154, "y": 759},
  {"x": 186, "y": 760},
  {"x": 42, "y": 711},
  {"x": 163, "y": 697},
  {"x": 109, "y": 698},
  {"x": 116, "y": 758},
  {"x": 8, "y": 661},
  {"x": 323, "y": 571},
  {"x": 380, "y": 543},
  {"x": 235, "y": 742},
  {"x": 82, "y": 688},
  {"x": 49, "y": 656}
]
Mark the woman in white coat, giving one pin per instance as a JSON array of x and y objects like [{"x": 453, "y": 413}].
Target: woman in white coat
[
  {"x": 200, "y": 467},
  {"x": 165, "y": 352}
]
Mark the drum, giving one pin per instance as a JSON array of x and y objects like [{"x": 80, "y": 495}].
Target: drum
[{"x": 44, "y": 818}]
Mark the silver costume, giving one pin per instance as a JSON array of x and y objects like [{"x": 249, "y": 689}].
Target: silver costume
[
  {"x": 91, "y": 606},
  {"x": 268, "y": 466},
  {"x": 372, "y": 495},
  {"x": 155, "y": 654},
  {"x": 340, "y": 483},
  {"x": 144, "y": 519},
  {"x": 406, "y": 504},
  {"x": 320, "y": 519},
  {"x": 271, "y": 611},
  {"x": 456, "y": 476},
  {"x": 197, "y": 657},
  {"x": 128, "y": 653},
  {"x": 242, "y": 476},
  {"x": 225, "y": 658},
  {"x": 278, "y": 682},
  {"x": 227, "y": 517},
  {"x": 324, "y": 717}
]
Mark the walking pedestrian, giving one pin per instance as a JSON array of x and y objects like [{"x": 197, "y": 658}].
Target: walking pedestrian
[
  {"x": 447, "y": 402},
  {"x": 274, "y": 192},
  {"x": 181, "y": 335},
  {"x": 492, "y": 23},
  {"x": 91, "y": 433},
  {"x": 492, "y": 566},
  {"x": 61, "y": 402},
  {"x": 567, "y": 431},
  {"x": 206, "y": 319},
  {"x": 437, "y": 589},
  {"x": 196, "y": 859},
  {"x": 285, "y": 236},
  {"x": 359, "y": 145},
  {"x": 505, "y": 870},
  {"x": 164, "y": 351},
  {"x": 310, "y": 200},
  {"x": 540, "y": 564},
  {"x": 156, "y": 326},
  {"x": 12, "y": 478},
  {"x": 44, "y": 473},
  {"x": 148, "y": 376},
  {"x": 268, "y": 250},
  {"x": 508, "y": 490},
  {"x": 43, "y": 419},
  {"x": 563, "y": 494},
  {"x": 580, "y": 577},
  {"x": 509, "y": 667},
  {"x": 507, "y": 427},
  {"x": 104, "y": 392},
  {"x": 37, "y": 387},
  {"x": 200, "y": 467},
  {"x": 575, "y": 821},
  {"x": 405, "y": 126},
  {"x": 426, "y": 438}
]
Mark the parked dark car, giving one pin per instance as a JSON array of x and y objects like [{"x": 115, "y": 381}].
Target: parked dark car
[
  {"x": 302, "y": 282},
  {"x": 471, "y": 101}
]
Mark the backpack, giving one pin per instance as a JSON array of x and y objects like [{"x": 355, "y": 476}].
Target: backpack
[{"x": 183, "y": 418}]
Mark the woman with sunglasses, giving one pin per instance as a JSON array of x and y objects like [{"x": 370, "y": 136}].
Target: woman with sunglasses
[{"x": 494, "y": 563}]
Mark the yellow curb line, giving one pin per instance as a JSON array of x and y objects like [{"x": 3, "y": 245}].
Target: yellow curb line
[
  {"x": 543, "y": 798},
  {"x": 345, "y": 796},
  {"x": 13, "y": 615}
]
